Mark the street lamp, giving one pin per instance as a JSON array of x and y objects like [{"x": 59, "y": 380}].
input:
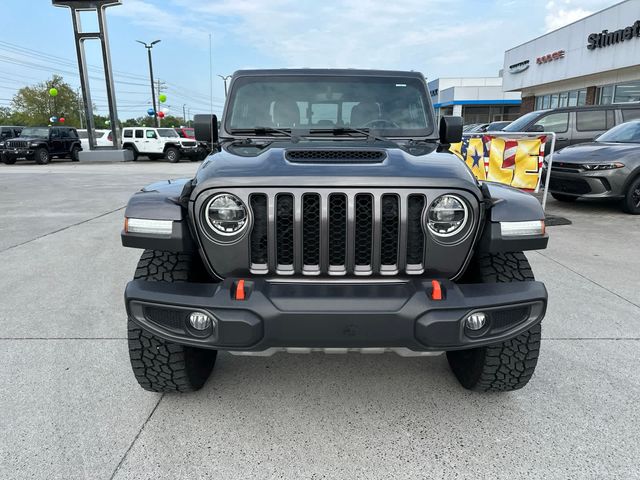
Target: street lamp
[
  {"x": 153, "y": 92},
  {"x": 224, "y": 79}
]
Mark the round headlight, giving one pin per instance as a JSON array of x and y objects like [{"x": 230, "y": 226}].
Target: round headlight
[
  {"x": 226, "y": 214},
  {"x": 447, "y": 215}
]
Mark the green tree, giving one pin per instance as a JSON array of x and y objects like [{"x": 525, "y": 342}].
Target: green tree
[{"x": 33, "y": 105}]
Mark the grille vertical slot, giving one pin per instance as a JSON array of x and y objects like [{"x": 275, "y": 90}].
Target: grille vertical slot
[
  {"x": 337, "y": 232},
  {"x": 284, "y": 232},
  {"x": 389, "y": 232},
  {"x": 259, "y": 232},
  {"x": 311, "y": 232},
  {"x": 415, "y": 237},
  {"x": 363, "y": 231}
]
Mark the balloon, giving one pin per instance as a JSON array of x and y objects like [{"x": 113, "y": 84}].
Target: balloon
[
  {"x": 53, "y": 92},
  {"x": 53, "y": 119},
  {"x": 161, "y": 114},
  {"x": 151, "y": 112},
  {"x": 162, "y": 97},
  {"x": 165, "y": 110},
  {"x": 107, "y": 122},
  {"x": 61, "y": 119}
]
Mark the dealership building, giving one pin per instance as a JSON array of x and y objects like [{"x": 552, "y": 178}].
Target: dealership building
[
  {"x": 476, "y": 99},
  {"x": 593, "y": 61}
]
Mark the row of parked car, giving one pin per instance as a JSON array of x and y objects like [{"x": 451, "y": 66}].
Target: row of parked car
[
  {"x": 42, "y": 144},
  {"x": 597, "y": 152}
]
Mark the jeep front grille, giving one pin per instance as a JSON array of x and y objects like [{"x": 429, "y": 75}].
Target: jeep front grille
[
  {"x": 337, "y": 233},
  {"x": 17, "y": 144}
]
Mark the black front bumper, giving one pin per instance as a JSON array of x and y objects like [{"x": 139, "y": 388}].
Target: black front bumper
[{"x": 335, "y": 315}]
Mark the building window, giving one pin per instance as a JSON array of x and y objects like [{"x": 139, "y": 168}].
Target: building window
[
  {"x": 606, "y": 95},
  {"x": 573, "y": 98},
  {"x": 554, "y": 101},
  {"x": 627, "y": 92},
  {"x": 563, "y": 99},
  {"x": 582, "y": 97}
]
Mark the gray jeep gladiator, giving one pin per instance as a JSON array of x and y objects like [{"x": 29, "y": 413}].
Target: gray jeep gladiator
[{"x": 330, "y": 218}]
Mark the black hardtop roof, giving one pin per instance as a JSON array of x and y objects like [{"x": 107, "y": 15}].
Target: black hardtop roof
[{"x": 345, "y": 72}]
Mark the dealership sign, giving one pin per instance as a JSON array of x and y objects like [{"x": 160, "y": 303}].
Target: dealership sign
[
  {"x": 519, "y": 67},
  {"x": 607, "y": 38},
  {"x": 550, "y": 57}
]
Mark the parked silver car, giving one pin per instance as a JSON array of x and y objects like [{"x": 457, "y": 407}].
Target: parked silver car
[{"x": 608, "y": 167}]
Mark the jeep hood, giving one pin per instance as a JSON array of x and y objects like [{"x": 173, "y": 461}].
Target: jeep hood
[{"x": 271, "y": 168}]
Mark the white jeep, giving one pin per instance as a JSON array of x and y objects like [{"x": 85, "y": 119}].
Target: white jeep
[{"x": 157, "y": 143}]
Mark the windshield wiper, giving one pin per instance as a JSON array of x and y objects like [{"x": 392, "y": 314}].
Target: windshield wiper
[{"x": 265, "y": 130}]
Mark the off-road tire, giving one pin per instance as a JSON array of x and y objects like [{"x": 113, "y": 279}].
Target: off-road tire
[
  {"x": 9, "y": 160},
  {"x": 159, "y": 365},
  {"x": 631, "y": 201},
  {"x": 41, "y": 156},
  {"x": 508, "y": 365},
  {"x": 133, "y": 150},
  {"x": 564, "y": 198},
  {"x": 172, "y": 155},
  {"x": 75, "y": 153}
]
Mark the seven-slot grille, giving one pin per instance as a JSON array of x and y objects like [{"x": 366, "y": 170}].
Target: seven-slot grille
[
  {"x": 337, "y": 233},
  {"x": 17, "y": 144}
]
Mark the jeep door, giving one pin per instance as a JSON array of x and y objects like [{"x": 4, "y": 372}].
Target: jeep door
[
  {"x": 139, "y": 140},
  {"x": 56, "y": 141},
  {"x": 154, "y": 143}
]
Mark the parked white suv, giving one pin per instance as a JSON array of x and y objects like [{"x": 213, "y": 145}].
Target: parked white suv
[
  {"x": 103, "y": 138},
  {"x": 158, "y": 143}
]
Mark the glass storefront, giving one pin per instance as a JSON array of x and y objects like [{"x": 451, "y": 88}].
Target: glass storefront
[
  {"x": 569, "y": 98},
  {"x": 620, "y": 93}
]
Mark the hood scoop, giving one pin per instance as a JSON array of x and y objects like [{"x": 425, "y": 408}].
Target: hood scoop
[{"x": 335, "y": 155}]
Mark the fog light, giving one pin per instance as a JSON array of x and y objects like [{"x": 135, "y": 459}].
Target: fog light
[
  {"x": 200, "y": 321},
  {"x": 476, "y": 321}
]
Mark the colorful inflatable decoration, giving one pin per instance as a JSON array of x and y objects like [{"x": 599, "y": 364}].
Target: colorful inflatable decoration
[
  {"x": 61, "y": 119},
  {"x": 162, "y": 97},
  {"x": 161, "y": 114},
  {"x": 151, "y": 112},
  {"x": 53, "y": 92},
  {"x": 512, "y": 161},
  {"x": 53, "y": 119}
]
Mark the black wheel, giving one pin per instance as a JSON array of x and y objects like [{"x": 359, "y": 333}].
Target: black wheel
[
  {"x": 42, "y": 156},
  {"x": 158, "y": 365},
  {"x": 172, "y": 155},
  {"x": 133, "y": 150},
  {"x": 75, "y": 153},
  {"x": 563, "y": 198},
  {"x": 508, "y": 365},
  {"x": 631, "y": 202},
  {"x": 8, "y": 160}
]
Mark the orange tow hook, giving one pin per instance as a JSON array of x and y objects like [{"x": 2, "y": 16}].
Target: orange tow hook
[
  {"x": 240, "y": 293},
  {"x": 436, "y": 290}
]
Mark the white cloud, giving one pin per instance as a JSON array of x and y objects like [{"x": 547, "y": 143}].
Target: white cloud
[{"x": 564, "y": 12}]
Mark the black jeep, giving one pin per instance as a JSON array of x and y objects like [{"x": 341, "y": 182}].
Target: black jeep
[
  {"x": 42, "y": 144},
  {"x": 328, "y": 221}
]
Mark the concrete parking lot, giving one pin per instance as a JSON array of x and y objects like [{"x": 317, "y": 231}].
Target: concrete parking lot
[{"x": 71, "y": 409}]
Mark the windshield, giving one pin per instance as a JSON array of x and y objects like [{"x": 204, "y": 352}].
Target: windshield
[
  {"x": 38, "y": 132},
  {"x": 167, "y": 132},
  {"x": 624, "y": 133},
  {"x": 395, "y": 106},
  {"x": 521, "y": 123}
]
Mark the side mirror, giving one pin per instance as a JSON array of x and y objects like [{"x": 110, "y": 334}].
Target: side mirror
[
  {"x": 450, "y": 129},
  {"x": 536, "y": 128},
  {"x": 206, "y": 128}
]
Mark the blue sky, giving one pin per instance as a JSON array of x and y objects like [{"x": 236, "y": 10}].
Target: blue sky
[{"x": 437, "y": 37}]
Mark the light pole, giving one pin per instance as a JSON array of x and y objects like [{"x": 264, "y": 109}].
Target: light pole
[
  {"x": 184, "y": 114},
  {"x": 153, "y": 92},
  {"x": 224, "y": 79}
]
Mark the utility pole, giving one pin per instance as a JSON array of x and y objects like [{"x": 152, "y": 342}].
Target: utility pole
[
  {"x": 153, "y": 90},
  {"x": 184, "y": 114},
  {"x": 224, "y": 79},
  {"x": 161, "y": 86}
]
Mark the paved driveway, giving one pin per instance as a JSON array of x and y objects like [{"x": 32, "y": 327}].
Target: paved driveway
[{"x": 70, "y": 407}]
